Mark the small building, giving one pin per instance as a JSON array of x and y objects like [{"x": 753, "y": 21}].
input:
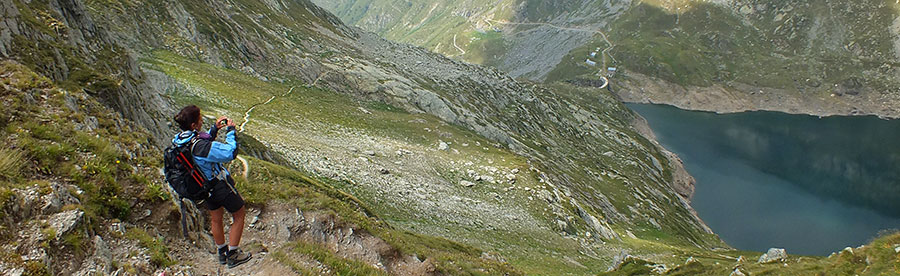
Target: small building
[
  {"x": 593, "y": 54},
  {"x": 611, "y": 71},
  {"x": 590, "y": 62}
]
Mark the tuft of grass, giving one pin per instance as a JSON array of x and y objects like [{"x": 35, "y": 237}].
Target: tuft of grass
[
  {"x": 156, "y": 247},
  {"x": 338, "y": 265},
  {"x": 153, "y": 190},
  {"x": 36, "y": 268},
  {"x": 11, "y": 163}
]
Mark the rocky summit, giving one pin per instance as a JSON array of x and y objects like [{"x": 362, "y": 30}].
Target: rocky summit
[{"x": 358, "y": 155}]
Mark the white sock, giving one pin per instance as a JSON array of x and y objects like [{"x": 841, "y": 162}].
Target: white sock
[
  {"x": 231, "y": 248},
  {"x": 220, "y": 246}
]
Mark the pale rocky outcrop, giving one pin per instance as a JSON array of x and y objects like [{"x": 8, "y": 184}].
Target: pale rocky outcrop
[{"x": 773, "y": 255}]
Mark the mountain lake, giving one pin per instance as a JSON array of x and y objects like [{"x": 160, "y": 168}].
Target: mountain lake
[{"x": 808, "y": 184}]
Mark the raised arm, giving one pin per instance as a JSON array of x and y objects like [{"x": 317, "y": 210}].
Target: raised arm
[{"x": 224, "y": 152}]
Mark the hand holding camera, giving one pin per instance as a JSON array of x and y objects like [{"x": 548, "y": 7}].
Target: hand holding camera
[{"x": 223, "y": 122}]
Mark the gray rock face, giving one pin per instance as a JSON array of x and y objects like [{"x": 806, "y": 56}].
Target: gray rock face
[
  {"x": 131, "y": 96},
  {"x": 773, "y": 255},
  {"x": 65, "y": 222}
]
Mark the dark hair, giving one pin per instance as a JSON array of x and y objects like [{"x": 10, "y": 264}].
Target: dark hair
[{"x": 187, "y": 116}]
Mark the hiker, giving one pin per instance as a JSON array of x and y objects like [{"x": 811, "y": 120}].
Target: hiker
[{"x": 209, "y": 157}]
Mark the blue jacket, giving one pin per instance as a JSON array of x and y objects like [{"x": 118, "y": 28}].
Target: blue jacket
[{"x": 209, "y": 155}]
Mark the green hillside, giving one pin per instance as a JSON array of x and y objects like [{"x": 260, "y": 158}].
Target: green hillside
[{"x": 359, "y": 156}]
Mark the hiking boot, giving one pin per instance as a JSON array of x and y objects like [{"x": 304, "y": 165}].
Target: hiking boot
[
  {"x": 222, "y": 252},
  {"x": 237, "y": 257}
]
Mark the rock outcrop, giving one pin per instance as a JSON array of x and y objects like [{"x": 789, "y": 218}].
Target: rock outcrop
[{"x": 773, "y": 255}]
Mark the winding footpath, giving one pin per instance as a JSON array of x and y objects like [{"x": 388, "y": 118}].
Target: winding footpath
[
  {"x": 247, "y": 114},
  {"x": 244, "y": 162},
  {"x": 605, "y": 53},
  {"x": 463, "y": 52}
]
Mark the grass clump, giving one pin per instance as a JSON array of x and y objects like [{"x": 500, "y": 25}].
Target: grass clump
[
  {"x": 11, "y": 163},
  {"x": 156, "y": 247},
  {"x": 338, "y": 265}
]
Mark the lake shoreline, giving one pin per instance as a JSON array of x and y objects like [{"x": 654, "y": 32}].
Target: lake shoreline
[
  {"x": 737, "y": 97},
  {"x": 745, "y": 165}
]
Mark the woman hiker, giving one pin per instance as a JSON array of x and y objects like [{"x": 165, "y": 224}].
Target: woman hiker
[{"x": 210, "y": 155}]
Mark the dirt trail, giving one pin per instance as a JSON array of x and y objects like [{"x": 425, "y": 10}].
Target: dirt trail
[
  {"x": 275, "y": 226},
  {"x": 605, "y": 53},
  {"x": 462, "y": 52},
  {"x": 247, "y": 114}
]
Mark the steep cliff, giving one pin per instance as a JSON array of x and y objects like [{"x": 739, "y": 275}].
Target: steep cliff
[{"x": 60, "y": 40}]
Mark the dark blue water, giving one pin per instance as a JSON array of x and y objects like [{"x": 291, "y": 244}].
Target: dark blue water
[{"x": 766, "y": 179}]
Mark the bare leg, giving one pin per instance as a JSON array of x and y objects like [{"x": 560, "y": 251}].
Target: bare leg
[
  {"x": 237, "y": 227},
  {"x": 218, "y": 227}
]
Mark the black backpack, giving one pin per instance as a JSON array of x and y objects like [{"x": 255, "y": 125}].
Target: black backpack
[{"x": 183, "y": 174}]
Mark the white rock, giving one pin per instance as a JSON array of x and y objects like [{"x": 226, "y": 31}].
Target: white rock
[
  {"x": 847, "y": 249},
  {"x": 369, "y": 153},
  {"x": 65, "y": 221},
  {"x": 485, "y": 178},
  {"x": 773, "y": 255},
  {"x": 737, "y": 272},
  {"x": 690, "y": 260},
  {"x": 471, "y": 173},
  {"x": 465, "y": 183},
  {"x": 443, "y": 146}
]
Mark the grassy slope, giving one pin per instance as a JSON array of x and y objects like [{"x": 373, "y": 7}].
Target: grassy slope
[
  {"x": 42, "y": 146},
  {"x": 431, "y": 25},
  {"x": 778, "y": 47},
  {"x": 227, "y": 92},
  {"x": 113, "y": 164},
  {"x": 879, "y": 257}
]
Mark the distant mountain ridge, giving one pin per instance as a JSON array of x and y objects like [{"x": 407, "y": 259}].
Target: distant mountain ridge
[{"x": 817, "y": 57}]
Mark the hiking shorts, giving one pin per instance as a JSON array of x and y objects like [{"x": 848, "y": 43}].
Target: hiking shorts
[{"x": 225, "y": 195}]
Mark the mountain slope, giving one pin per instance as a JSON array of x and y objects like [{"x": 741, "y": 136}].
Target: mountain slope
[
  {"x": 526, "y": 126},
  {"x": 817, "y": 57},
  {"x": 370, "y": 153}
]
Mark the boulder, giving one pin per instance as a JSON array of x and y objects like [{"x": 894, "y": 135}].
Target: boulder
[
  {"x": 773, "y": 255},
  {"x": 465, "y": 183},
  {"x": 65, "y": 222},
  {"x": 443, "y": 146},
  {"x": 485, "y": 178}
]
